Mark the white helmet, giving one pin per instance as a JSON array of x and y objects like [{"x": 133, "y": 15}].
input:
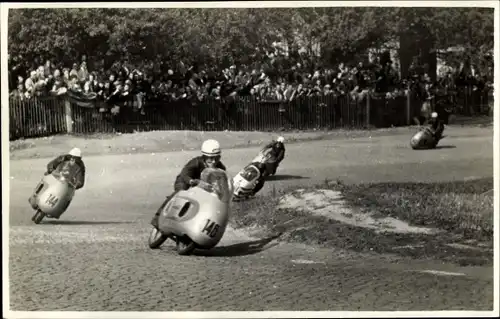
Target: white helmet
[
  {"x": 434, "y": 115},
  {"x": 281, "y": 139},
  {"x": 75, "y": 152},
  {"x": 210, "y": 148}
]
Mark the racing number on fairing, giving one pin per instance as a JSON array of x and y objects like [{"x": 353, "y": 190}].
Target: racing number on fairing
[
  {"x": 52, "y": 200},
  {"x": 211, "y": 228}
]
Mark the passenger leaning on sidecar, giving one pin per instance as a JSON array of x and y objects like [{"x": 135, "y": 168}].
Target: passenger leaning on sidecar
[
  {"x": 436, "y": 125},
  {"x": 191, "y": 172},
  {"x": 70, "y": 166},
  {"x": 277, "y": 151}
]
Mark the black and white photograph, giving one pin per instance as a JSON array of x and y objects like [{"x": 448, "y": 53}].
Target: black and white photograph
[{"x": 250, "y": 159}]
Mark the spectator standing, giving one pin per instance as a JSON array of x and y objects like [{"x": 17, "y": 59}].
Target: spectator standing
[
  {"x": 83, "y": 73},
  {"x": 30, "y": 83}
]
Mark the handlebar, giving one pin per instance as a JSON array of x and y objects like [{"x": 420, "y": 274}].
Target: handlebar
[
  {"x": 206, "y": 186},
  {"x": 60, "y": 177}
]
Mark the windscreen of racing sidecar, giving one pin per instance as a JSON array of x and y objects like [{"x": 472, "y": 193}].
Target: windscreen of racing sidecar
[
  {"x": 62, "y": 174},
  {"x": 217, "y": 181},
  {"x": 250, "y": 173}
]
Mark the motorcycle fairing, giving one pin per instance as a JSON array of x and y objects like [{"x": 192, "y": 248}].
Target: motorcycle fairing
[{"x": 180, "y": 208}]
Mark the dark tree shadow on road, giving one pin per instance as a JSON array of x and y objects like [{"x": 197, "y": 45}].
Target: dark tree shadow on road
[
  {"x": 284, "y": 177},
  {"x": 78, "y": 222},
  {"x": 241, "y": 249}
]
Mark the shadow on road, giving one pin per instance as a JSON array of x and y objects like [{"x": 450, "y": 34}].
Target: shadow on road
[
  {"x": 78, "y": 222},
  {"x": 445, "y": 146},
  {"x": 241, "y": 249},
  {"x": 284, "y": 177}
]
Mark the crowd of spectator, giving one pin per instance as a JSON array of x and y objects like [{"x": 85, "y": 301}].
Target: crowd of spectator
[{"x": 276, "y": 78}]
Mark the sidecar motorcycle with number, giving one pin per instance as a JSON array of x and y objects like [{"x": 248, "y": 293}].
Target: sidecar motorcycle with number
[
  {"x": 196, "y": 218},
  {"x": 52, "y": 196},
  {"x": 245, "y": 182},
  {"x": 425, "y": 139}
]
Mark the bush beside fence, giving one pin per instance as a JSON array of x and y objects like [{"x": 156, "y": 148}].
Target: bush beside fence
[{"x": 55, "y": 115}]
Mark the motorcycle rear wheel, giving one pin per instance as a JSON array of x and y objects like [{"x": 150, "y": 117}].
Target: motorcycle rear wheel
[
  {"x": 39, "y": 215},
  {"x": 156, "y": 238},
  {"x": 185, "y": 246}
]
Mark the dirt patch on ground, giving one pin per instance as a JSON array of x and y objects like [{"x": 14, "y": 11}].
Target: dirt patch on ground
[
  {"x": 452, "y": 222},
  {"x": 331, "y": 204}
]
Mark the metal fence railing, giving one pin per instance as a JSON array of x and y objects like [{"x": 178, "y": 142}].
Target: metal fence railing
[
  {"x": 36, "y": 117},
  {"x": 53, "y": 115}
]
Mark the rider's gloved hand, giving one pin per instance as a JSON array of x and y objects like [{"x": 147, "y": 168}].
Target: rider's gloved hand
[{"x": 194, "y": 182}]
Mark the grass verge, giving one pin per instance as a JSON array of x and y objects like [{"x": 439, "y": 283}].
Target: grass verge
[{"x": 464, "y": 210}]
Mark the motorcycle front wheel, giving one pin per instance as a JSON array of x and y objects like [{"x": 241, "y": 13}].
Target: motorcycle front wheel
[
  {"x": 185, "y": 246},
  {"x": 39, "y": 215},
  {"x": 156, "y": 238}
]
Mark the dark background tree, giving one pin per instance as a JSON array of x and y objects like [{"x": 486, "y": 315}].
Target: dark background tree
[{"x": 226, "y": 36}]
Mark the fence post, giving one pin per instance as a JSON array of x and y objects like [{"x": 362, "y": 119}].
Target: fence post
[
  {"x": 69, "y": 116},
  {"x": 368, "y": 98},
  {"x": 408, "y": 108}
]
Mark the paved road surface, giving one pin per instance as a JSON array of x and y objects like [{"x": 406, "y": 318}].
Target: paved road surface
[{"x": 95, "y": 258}]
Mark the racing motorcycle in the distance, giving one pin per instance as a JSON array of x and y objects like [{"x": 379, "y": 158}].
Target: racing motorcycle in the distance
[
  {"x": 253, "y": 175},
  {"x": 425, "y": 139},
  {"x": 52, "y": 196},
  {"x": 196, "y": 218},
  {"x": 245, "y": 182}
]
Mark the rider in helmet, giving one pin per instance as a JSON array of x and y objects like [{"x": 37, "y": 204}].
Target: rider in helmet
[
  {"x": 277, "y": 151},
  {"x": 70, "y": 166},
  {"x": 191, "y": 172},
  {"x": 436, "y": 124}
]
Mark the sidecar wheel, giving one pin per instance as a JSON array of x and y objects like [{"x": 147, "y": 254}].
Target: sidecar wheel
[
  {"x": 39, "y": 215},
  {"x": 156, "y": 238},
  {"x": 185, "y": 246}
]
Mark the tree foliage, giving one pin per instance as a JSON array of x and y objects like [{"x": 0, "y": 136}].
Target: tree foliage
[
  {"x": 238, "y": 34},
  {"x": 469, "y": 28}
]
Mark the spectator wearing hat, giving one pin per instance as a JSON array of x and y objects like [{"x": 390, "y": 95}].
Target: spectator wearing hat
[{"x": 74, "y": 71}]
